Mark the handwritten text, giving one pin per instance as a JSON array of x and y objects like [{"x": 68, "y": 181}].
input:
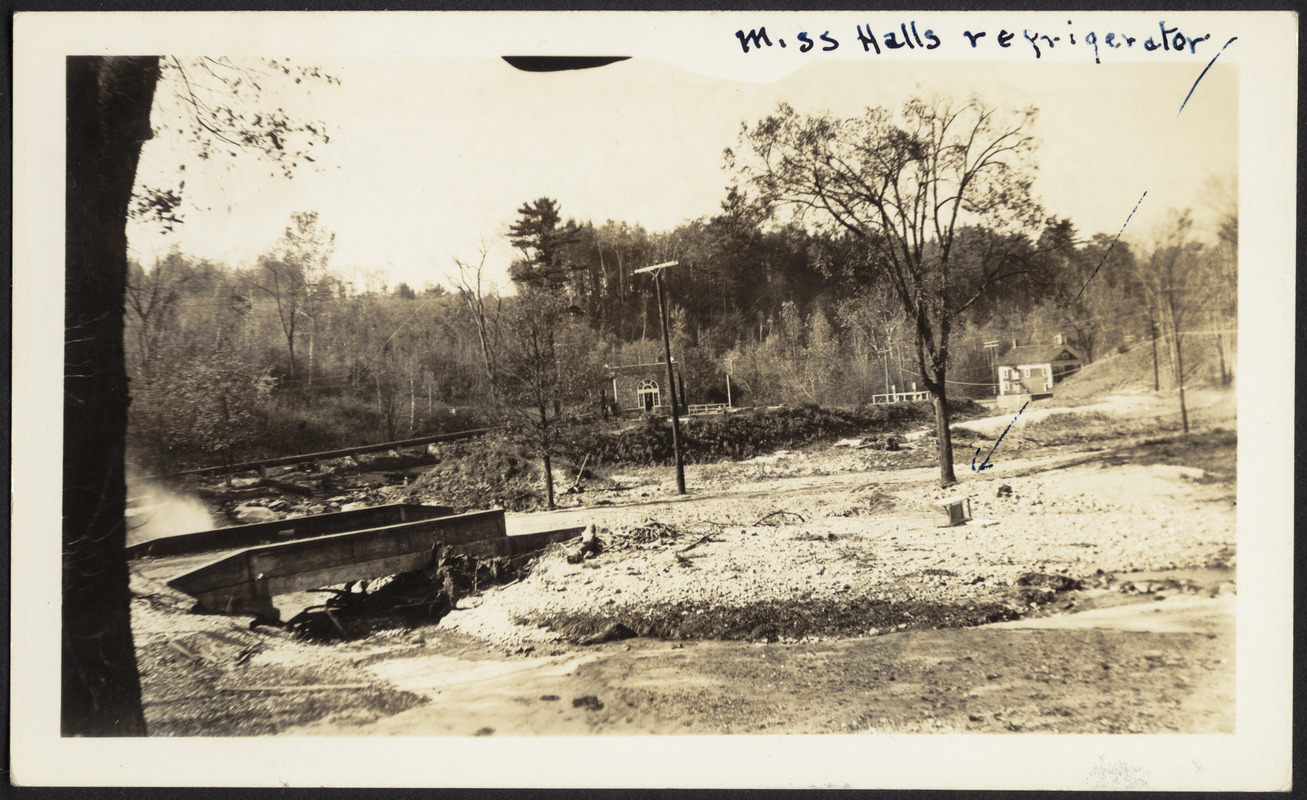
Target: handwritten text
[{"x": 911, "y": 35}]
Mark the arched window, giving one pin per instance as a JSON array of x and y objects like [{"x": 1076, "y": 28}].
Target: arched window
[{"x": 647, "y": 392}]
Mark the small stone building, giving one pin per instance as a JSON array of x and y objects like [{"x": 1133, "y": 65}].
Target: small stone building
[{"x": 642, "y": 388}]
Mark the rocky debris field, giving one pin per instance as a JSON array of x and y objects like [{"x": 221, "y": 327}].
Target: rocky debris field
[
  {"x": 815, "y": 548},
  {"x": 341, "y": 484},
  {"x": 795, "y": 564}
]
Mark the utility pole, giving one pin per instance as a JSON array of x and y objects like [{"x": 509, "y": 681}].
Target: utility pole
[
  {"x": 991, "y": 356},
  {"x": 657, "y": 270}
]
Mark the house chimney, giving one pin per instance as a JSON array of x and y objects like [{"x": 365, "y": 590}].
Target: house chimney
[{"x": 1060, "y": 339}]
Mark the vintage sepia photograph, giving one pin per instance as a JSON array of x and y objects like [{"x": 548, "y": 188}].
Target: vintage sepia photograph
[{"x": 581, "y": 393}]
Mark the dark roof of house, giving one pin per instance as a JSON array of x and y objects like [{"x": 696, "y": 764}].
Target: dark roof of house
[{"x": 1037, "y": 354}]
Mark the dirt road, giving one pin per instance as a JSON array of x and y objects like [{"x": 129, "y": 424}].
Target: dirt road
[{"x": 1148, "y": 667}]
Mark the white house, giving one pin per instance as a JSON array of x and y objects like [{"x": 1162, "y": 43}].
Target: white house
[{"x": 1031, "y": 372}]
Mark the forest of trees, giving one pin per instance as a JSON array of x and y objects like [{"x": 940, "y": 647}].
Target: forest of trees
[{"x": 284, "y": 355}]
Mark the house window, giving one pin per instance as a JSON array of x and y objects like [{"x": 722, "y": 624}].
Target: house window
[{"x": 647, "y": 393}]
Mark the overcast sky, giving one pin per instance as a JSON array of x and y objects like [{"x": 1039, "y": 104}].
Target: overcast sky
[{"x": 430, "y": 156}]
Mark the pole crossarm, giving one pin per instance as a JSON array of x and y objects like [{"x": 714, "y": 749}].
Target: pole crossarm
[{"x": 657, "y": 266}]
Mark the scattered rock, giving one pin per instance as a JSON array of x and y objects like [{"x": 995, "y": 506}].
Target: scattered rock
[
  {"x": 1005, "y": 491},
  {"x": 1041, "y": 580},
  {"x": 249, "y": 514},
  {"x": 589, "y": 702},
  {"x": 611, "y": 633}
]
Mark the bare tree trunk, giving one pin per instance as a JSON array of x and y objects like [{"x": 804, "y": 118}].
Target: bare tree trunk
[
  {"x": 544, "y": 454},
  {"x": 1179, "y": 375},
  {"x": 108, "y": 109},
  {"x": 1220, "y": 356},
  {"x": 312, "y": 340},
  {"x": 290, "y": 346},
  {"x": 902, "y": 383},
  {"x": 1152, "y": 337},
  {"x": 549, "y": 481},
  {"x": 943, "y": 434},
  {"x": 469, "y": 288},
  {"x": 386, "y": 401}
]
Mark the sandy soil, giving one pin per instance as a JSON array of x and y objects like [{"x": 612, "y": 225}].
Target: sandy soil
[
  {"x": 850, "y": 611},
  {"x": 1159, "y": 666}
]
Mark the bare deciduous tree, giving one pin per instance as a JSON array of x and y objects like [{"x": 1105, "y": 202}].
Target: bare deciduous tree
[
  {"x": 483, "y": 306},
  {"x": 905, "y": 184},
  {"x": 1165, "y": 276},
  {"x": 293, "y": 276}
]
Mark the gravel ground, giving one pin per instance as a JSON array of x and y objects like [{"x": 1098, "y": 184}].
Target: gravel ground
[{"x": 874, "y": 550}]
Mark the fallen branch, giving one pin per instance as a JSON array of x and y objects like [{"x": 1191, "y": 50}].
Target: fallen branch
[
  {"x": 285, "y": 486},
  {"x": 579, "y": 473},
  {"x": 702, "y": 539},
  {"x": 177, "y": 646},
  {"x": 778, "y": 513},
  {"x": 416, "y": 604},
  {"x": 307, "y": 687}
]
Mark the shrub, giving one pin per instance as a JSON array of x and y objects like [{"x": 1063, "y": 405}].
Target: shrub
[{"x": 749, "y": 433}]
